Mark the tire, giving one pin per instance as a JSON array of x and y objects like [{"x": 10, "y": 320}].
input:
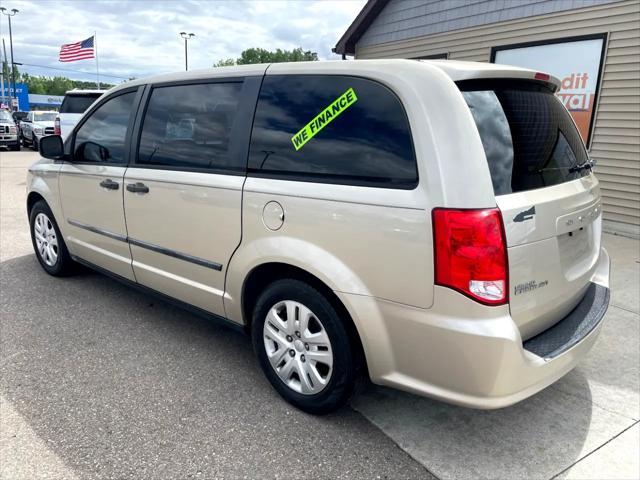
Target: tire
[
  {"x": 34, "y": 143},
  {"x": 314, "y": 386},
  {"x": 16, "y": 147},
  {"x": 43, "y": 225}
]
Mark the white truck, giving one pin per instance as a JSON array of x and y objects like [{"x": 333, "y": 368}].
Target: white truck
[
  {"x": 75, "y": 103},
  {"x": 38, "y": 124}
]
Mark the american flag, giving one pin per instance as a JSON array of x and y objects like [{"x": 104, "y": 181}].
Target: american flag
[{"x": 77, "y": 51}]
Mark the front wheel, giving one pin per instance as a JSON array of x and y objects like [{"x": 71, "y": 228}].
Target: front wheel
[
  {"x": 303, "y": 347},
  {"x": 34, "y": 143},
  {"x": 48, "y": 243}
]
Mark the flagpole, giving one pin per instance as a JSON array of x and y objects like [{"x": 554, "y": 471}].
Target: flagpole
[{"x": 95, "y": 48}]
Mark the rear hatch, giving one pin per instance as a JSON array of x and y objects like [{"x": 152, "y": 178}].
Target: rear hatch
[{"x": 549, "y": 199}]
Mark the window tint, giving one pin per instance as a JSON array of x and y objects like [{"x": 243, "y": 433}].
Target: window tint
[
  {"x": 101, "y": 138},
  {"x": 77, "y": 103},
  {"x": 189, "y": 126},
  {"x": 363, "y": 142},
  {"x": 528, "y": 136}
]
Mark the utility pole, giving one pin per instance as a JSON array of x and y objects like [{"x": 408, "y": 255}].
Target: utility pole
[
  {"x": 186, "y": 36},
  {"x": 2, "y": 96},
  {"x": 13, "y": 68}
]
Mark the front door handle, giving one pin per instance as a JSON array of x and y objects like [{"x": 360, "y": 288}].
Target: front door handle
[
  {"x": 109, "y": 184},
  {"x": 137, "y": 187}
]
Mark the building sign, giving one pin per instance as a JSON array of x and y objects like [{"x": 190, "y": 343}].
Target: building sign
[
  {"x": 22, "y": 95},
  {"x": 45, "y": 100},
  {"x": 577, "y": 62}
]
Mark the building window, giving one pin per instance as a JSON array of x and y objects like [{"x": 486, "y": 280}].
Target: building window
[{"x": 576, "y": 61}]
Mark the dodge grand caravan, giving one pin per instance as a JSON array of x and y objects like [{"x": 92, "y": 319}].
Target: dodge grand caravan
[{"x": 434, "y": 226}]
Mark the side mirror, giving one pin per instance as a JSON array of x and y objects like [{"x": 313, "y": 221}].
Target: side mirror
[
  {"x": 51, "y": 147},
  {"x": 93, "y": 152}
]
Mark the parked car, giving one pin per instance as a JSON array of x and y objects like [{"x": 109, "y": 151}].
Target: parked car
[
  {"x": 75, "y": 103},
  {"x": 8, "y": 131},
  {"x": 18, "y": 117},
  {"x": 36, "y": 126},
  {"x": 395, "y": 219}
]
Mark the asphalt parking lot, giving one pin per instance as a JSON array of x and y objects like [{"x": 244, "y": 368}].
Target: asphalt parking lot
[{"x": 100, "y": 381}]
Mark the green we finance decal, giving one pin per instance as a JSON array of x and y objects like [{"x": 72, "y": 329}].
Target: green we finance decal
[{"x": 321, "y": 120}]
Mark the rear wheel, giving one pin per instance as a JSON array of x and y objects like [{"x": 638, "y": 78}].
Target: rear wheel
[
  {"x": 48, "y": 243},
  {"x": 303, "y": 347}
]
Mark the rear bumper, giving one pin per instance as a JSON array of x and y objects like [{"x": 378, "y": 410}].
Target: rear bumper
[{"x": 468, "y": 354}]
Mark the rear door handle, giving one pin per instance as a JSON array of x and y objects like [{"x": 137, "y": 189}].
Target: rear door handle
[
  {"x": 109, "y": 184},
  {"x": 137, "y": 187}
]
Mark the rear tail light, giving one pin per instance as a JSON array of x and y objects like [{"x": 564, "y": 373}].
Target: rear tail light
[
  {"x": 56, "y": 127},
  {"x": 471, "y": 253}
]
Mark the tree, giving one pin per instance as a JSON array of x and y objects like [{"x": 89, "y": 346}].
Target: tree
[
  {"x": 260, "y": 55},
  {"x": 228, "y": 62},
  {"x": 6, "y": 72},
  {"x": 55, "y": 85}
]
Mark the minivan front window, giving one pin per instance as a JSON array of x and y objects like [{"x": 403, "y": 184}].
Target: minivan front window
[{"x": 529, "y": 138}]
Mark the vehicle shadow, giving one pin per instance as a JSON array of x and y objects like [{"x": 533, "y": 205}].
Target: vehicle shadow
[
  {"x": 118, "y": 384},
  {"x": 537, "y": 438}
]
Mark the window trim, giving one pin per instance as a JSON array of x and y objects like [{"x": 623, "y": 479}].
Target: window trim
[
  {"x": 127, "y": 139},
  {"x": 433, "y": 56},
  {"x": 337, "y": 179},
  {"x": 240, "y": 134}
]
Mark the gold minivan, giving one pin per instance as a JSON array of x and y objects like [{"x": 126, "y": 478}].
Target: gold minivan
[{"x": 434, "y": 226}]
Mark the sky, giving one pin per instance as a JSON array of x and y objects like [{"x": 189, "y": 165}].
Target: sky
[{"x": 137, "y": 38}]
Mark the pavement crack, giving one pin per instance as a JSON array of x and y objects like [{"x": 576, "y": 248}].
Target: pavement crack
[
  {"x": 624, "y": 308},
  {"x": 595, "y": 404},
  {"x": 594, "y": 450}
]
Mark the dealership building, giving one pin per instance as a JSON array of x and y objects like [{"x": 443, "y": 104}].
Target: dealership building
[{"x": 592, "y": 46}]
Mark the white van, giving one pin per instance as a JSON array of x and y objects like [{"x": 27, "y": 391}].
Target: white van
[{"x": 431, "y": 225}]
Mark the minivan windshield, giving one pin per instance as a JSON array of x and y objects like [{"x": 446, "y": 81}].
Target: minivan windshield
[
  {"x": 78, "y": 103},
  {"x": 528, "y": 136}
]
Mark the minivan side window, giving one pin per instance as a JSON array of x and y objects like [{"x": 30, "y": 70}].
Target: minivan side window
[
  {"x": 357, "y": 132},
  {"x": 189, "y": 126},
  {"x": 101, "y": 138}
]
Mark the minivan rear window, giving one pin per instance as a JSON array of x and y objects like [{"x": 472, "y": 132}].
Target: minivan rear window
[
  {"x": 528, "y": 136},
  {"x": 78, "y": 103}
]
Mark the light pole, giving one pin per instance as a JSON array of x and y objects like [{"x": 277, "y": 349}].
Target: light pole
[
  {"x": 186, "y": 36},
  {"x": 13, "y": 68}
]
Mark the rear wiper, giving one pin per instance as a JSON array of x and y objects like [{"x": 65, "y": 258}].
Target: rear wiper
[{"x": 583, "y": 166}]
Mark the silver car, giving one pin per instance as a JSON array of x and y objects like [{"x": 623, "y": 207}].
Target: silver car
[{"x": 433, "y": 226}]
